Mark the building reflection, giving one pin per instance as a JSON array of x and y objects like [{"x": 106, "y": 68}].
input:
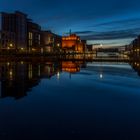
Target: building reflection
[
  {"x": 17, "y": 78},
  {"x": 136, "y": 66},
  {"x": 50, "y": 69},
  {"x": 71, "y": 67}
]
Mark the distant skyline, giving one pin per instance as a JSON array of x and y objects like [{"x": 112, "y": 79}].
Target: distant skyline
[{"x": 107, "y": 22}]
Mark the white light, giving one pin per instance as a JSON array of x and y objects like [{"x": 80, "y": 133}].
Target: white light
[
  {"x": 58, "y": 75},
  {"x": 101, "y": 76}
]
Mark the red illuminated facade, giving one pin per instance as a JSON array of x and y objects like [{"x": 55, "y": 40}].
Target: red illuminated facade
[{"x": 73, "y": 43}]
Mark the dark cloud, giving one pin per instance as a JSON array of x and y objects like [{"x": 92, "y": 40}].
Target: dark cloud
[
  {"x": 96, "y": 44},
  {"x": 82, "y": 32},
  {"x": 124, "y": 23},
  {"x": 111, "y": 35}
]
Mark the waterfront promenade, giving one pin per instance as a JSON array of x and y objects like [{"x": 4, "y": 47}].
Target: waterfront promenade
[{"x": 43, "y": 58}]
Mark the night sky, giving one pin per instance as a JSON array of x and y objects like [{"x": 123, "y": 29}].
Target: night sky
[{"x": 107, "y": 22}]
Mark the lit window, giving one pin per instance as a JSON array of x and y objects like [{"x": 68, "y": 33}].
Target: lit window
[
  {"x": 30, "y": 35},
  {"x": 38, "y": 37}
]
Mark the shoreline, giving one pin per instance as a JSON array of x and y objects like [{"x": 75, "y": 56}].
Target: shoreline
[{"x": 59, "y": 58}]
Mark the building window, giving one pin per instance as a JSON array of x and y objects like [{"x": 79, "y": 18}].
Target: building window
[
  {"x": 30, "y": 35},
  {"x": 30, "y": 43},
  {"x": 39, "y": 37}
]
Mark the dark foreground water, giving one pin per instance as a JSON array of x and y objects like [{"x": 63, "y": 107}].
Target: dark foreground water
[{"x": 69, "y": 101}]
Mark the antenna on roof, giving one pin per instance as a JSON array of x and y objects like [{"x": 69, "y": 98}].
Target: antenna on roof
[{"x": 70, "y": 31}]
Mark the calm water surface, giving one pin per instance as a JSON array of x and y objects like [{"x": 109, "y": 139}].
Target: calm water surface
[{"x": 69, "y": 100}]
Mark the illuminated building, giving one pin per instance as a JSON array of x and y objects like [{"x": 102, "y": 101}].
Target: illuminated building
[
  {"x": 7, "y": 34},
  {"x": 50, "y": 42},
  {"x": 33, "y": 41},
  {"x": 13, "y": 27},
  {"x": 73, "y": 43},
  {"x": 18, "y": 32},
  {"x": 134, "y": 49},
  {"x": 21, "y": 29}
]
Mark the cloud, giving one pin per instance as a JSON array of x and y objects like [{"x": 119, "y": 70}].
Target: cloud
[
  {"x": 83, "y": 32},
  {"x": 111, "y": 35},
  {"x": 96, "y": 44},
  {"x": 124, "y": 23}
]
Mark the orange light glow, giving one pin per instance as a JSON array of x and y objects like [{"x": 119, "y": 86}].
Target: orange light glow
[
  {"x": 70, "y": 67},
  {"x": 72, "y": 42}
]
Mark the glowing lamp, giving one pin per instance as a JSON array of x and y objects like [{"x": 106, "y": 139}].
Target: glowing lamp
[{"x": 11, "y": 45}]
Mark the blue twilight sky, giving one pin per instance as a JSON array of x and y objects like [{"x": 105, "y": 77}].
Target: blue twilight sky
[{"x": 107, "y": 22}]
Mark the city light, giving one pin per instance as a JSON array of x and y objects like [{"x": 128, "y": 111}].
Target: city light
[
  {"x": 58, "y": 75},
  {"x": 101, "y": 76},
  {"x": 58, "y": 45},
  {"x": 11, "y": 45},
  {"x": 33, "y": 49},
  {"x": 22, "y": 62}
]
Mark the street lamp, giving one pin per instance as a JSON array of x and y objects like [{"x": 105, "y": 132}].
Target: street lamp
[{"x": 11, "y": 45}]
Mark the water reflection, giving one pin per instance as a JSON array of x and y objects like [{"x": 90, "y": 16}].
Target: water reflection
[
  {"x": 70, "y": 67},
  {"x": 17, "y": 78},
  {"x": 100, "y": 98},
  {"x": 136, "y": 66}
]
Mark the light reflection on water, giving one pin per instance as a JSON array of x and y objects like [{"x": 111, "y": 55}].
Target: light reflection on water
[{"x": 69, "y": 100}]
